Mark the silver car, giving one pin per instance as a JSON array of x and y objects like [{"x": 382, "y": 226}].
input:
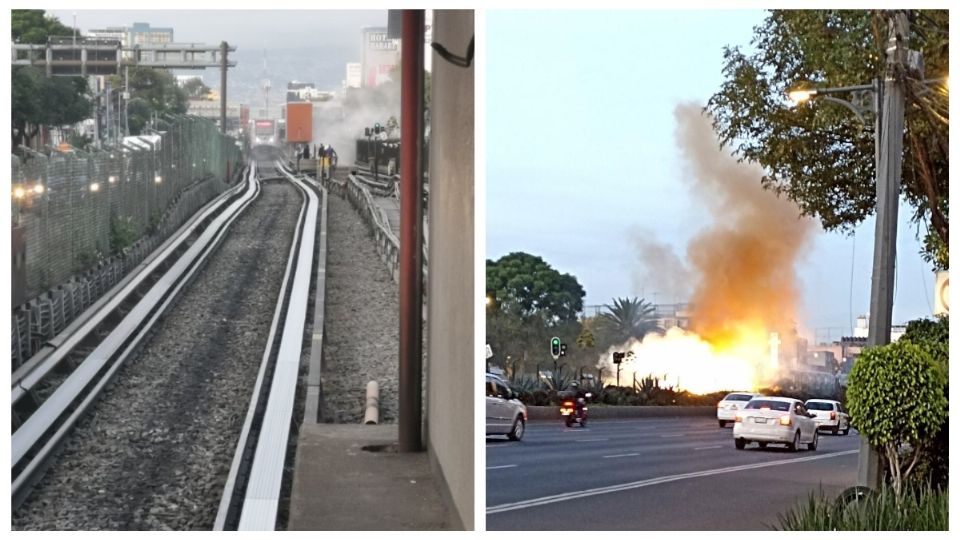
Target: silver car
[
  {"x": 829, "y": 415},
  {"x": 506, "y": 415},
  {"x": 778, "y": 420}
]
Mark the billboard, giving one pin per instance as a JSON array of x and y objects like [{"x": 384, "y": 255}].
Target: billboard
[{"x": 380, "y": 56}]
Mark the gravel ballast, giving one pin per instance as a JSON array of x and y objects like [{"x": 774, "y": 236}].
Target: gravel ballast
[
  {"x": 361, "y": 321},
  {"x": 154, "y": 452}
]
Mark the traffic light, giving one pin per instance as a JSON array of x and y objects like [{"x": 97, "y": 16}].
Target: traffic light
[
  {"x": 555, "y": 348},
  {"x": 366, "y": 132},
  {"x": 377, "y": 129},
  {"x": 617, "y": 357},
  {"x": 563, "y": 349}
]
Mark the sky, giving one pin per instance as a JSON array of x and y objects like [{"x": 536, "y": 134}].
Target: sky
[
  {"x": 581, "y": 157},
  {"x": 248, "y": 29}
]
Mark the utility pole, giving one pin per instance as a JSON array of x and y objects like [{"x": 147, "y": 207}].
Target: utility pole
[
  {"x": 889, "y": 168},
  {"x": 223, "y": 87}
]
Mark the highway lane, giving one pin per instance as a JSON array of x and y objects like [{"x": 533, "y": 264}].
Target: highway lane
[{"x": 653, "y": 473}]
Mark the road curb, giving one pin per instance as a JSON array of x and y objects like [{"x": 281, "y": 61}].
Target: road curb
[{"x": 625, "y": 411}]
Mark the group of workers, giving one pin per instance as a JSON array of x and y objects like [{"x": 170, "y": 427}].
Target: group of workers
[{"x": 326, "y": 158}]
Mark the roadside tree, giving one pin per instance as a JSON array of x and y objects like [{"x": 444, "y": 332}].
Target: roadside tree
[{"x": 818, "y": 154}]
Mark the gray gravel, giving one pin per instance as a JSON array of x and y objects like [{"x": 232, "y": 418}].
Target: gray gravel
[
  {"x": 361, "y": 320},
  {"x": 155, "y": 451}
]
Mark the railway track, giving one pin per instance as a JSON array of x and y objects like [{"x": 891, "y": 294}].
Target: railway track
[{"x": 53, "y": 391}]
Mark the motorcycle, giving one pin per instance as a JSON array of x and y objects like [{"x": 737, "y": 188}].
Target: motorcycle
[{"x": 574, "y": 409}]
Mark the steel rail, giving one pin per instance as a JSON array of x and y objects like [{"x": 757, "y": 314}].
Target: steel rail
[
  {"x": 262, "y": 495},
  {"x": 35, "y": 441},
  {"x": 231, "y": 502},
  {"x": 35, "y": 370}
]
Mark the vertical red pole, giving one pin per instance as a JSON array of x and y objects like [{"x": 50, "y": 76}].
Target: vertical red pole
[{"x": 411, "y": 223}]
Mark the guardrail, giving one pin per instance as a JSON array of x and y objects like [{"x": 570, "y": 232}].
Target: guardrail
[{"x": 388, "y": 245}]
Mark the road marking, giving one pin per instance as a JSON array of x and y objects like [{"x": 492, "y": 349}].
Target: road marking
[
  {"x": 562, "y": 497},
  {"x": 500, "y": 467},
  {"x": 708, "y": 447},
  {"x": 621, "y": 455},
  {"x": 590, "y": 440},
  {"x": 674, "y": 435}
]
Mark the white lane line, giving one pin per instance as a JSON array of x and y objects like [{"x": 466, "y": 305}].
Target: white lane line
[
  {"x": 562, "y": 497},
  {"x": 673, "y": 435},
  {"x": 590, "y": 440},
  {"x": 621, "y": 455},
  {"x": 500, "y": 467},
  {"x": 708, "y": 447}
]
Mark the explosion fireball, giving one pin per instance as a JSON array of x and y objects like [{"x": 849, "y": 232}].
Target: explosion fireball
[{"x": 742, "y": 267}]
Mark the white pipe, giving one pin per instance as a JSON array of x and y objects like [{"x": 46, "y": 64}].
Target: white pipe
[{"x": 373, "y": 404}]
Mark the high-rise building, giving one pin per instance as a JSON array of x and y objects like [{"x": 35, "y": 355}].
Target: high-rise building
[{"x": 139, "y": 33}]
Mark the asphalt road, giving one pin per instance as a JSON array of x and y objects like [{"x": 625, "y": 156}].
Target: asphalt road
[{"x": 654, "y": 474}]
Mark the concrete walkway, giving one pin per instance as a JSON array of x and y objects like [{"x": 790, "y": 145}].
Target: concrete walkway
[{"x": 338, "y": 485}]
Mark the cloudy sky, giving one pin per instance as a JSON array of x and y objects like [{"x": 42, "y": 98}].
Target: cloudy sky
[
  {"x": 249, "y": 29},
  {"x": 581, "y": 157}
]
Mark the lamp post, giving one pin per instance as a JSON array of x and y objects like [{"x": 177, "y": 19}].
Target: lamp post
[{"x": 888, "y": 106}]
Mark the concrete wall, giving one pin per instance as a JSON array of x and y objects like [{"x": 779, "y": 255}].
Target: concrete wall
[{"x": 450, "y": 383}]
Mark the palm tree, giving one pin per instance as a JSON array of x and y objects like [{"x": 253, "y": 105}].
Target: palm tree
[{"x": 628, "y": 318}]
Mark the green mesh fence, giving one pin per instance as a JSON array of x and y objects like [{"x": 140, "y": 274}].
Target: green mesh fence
[{"x": 88, "y": 218}]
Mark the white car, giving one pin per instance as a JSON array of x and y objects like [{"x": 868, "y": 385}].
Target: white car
[
  {"x": 506, "y": 415},
  {"x": 777, "y": 420},
  {"x": 829, "y": 415},
  {"x": 730, "y": 404}
]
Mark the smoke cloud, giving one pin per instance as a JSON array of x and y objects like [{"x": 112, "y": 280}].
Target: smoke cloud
[
  {"x": 661, "y": 270},
  {"x": 740, "y": 269},
  {"x": 744, "y": 263}
]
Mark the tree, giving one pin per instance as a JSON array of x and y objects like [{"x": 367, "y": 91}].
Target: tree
[
  {"x": 37, "y": 100},
  {"x": 526, "y": 286},
  {"x": 896, "y": 400},
  {"x": 33, "y": 26},
  {"x": 529, "y": 303},
  {"x": 586, "y": 339},
  {"x": 818, "y": 155},
  {"x": 153, "y": 92},
  {"x": 195, "y": 88},
  {"x": 628, "y": 318}
]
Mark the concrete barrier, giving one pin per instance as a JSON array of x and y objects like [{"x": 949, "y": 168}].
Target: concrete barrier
[{"x": 626, "y": 411}]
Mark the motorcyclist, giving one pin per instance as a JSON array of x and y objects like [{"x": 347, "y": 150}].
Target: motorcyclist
[{"x": 579, "y": 396}]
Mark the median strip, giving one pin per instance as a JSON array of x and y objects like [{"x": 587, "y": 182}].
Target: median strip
[{"x": 508, "y": 507}]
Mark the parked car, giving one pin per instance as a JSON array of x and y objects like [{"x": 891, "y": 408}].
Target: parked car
[
  {"x": 506, "y": 415},
  {"x": 778, "y": 420},
  {"x": 730, "y": 404},
  {"x": 829, "y": 415}
]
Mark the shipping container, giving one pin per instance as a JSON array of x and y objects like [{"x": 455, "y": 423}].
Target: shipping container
[{"x": 299, "y": 122}]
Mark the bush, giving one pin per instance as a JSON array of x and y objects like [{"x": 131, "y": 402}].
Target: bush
[
  {"x": 919, "y": 509},
  {"x": 896, "y": 398}
]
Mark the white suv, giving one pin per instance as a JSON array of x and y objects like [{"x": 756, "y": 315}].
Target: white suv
[
  {"x": 829, "y": 415},
  {"x": 732, "y": 403},
  {"x": 506, "y": 415}
]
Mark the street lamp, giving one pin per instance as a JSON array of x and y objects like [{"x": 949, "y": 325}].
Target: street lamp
[{"x": 888, "y": 104}]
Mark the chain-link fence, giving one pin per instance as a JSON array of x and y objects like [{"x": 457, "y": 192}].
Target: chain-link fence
[{"x": 84, "y": 219}]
